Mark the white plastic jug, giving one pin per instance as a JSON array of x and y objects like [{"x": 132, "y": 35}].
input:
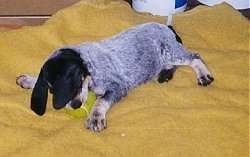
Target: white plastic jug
[{"x": 159, "y": 7}]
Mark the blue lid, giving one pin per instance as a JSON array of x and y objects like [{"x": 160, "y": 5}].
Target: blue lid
[{"x": 180, "y": 3}]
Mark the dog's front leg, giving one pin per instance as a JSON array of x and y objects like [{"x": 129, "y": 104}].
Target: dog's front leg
[
  {"x": 97, "y": 118},
  {"x": 26, "y": 81}
]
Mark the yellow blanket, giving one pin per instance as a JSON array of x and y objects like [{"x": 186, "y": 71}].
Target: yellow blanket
[{"x": 175, "y": 119}]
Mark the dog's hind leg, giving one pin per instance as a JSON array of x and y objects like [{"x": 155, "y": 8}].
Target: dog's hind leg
[
  {"x": 204, "y": 76},
  {"x": 26, "y": 81},
  {"x": 167, "y": 73}
]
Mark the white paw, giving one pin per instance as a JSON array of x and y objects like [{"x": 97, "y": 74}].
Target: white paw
[
  {"x": 96, "y": 121},
  {"x": 26, "y": 81},
  {"x": 205, "y": 80}
]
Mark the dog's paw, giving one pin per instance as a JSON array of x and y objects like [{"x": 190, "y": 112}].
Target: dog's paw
[
  {"x": 96, "y": 121},
  {"x": 205, "y": 80},
  {"x": 26, "y": 81}
]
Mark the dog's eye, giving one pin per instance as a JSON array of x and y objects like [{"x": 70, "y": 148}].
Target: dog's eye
[
  {"x": 50, "y": 87},
  {"x": 49, "y": 84}
]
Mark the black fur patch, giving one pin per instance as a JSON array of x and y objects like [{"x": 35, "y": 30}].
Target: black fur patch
[
  {"x": 166, "y": 75},
  {"x": 65, "y": 74}
]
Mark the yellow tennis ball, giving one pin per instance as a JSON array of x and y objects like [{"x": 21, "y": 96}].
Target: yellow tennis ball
[{"x": 85, "y": 109}]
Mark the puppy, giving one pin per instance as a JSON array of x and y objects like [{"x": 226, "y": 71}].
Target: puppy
[{"x": 110, "y": 68}]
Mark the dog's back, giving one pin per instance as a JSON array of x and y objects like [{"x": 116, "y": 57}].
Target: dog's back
[{"x": 130, "y": 58}]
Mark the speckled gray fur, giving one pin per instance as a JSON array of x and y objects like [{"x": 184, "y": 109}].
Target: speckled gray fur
[{"x": 130, "y": 58}]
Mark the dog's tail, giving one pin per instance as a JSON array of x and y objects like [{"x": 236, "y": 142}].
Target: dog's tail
[{"x": 169, "y": 24}]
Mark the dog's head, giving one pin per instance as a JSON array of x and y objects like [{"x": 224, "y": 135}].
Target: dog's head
[{"x": 62, "y": 76}]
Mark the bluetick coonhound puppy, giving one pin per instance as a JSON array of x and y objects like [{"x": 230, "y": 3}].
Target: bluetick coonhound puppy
[{"x": 110, "y": 68}]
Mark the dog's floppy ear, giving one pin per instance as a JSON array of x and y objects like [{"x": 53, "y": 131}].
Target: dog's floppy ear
[{"x": 39, "y": 95}]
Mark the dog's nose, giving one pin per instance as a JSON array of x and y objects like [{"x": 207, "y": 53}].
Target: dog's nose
[
  {"x": 75, "y": 104},
  {"x": 51, "y": 90}
]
